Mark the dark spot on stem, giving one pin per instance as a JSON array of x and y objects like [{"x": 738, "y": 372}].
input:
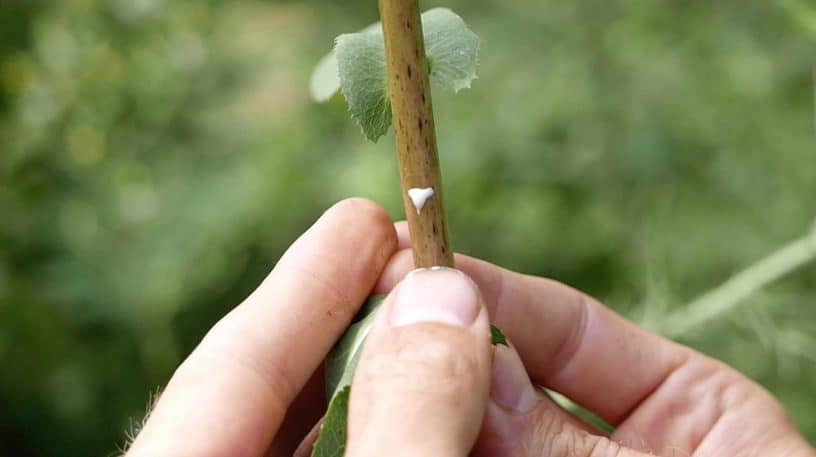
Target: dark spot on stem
[
  {"x": 408, "y": 69},
  {"x": 419, "y": 123},
  {"x": 423, "y": 97},
  {"x": 434, "y": 229}
]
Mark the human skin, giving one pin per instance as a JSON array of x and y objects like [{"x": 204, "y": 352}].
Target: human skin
[
  {"x": 429, "y": 383},
  {"x": 253, "y": 386},
  {"x": 662, "y": 398}
]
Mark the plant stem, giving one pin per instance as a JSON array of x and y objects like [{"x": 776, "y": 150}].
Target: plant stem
[
  {"x": 413, "y": 121},
  {"x": 740, "y": 286}
]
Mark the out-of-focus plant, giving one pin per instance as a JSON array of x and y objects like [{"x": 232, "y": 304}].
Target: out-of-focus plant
[{"x": 157, "y": 156}]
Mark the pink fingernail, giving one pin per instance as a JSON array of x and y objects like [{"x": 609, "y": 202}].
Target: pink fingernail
[
  {"x": 511, "y": 388},
  {"x": 440, "y": 295}
]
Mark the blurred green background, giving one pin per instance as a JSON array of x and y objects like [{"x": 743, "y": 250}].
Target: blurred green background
[{"x": 157, "y": 156}]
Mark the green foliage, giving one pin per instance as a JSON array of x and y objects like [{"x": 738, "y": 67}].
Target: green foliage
[
  {"x": 452, "y": 49},
  {"x": 342, "y": 361},
  {"x": 157, "y": 157},
  {"x": 496, "y": 336},
  {"x": 332, "y": 439},
  {"x": 357, "y": 66},
  {"x": 364, "y": 81}
]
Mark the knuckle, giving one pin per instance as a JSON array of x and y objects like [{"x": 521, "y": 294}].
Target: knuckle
[{"x": 423, "y": 359}]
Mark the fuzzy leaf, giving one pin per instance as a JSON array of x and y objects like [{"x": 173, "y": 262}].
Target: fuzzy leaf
[
  {"x": 451, "y": 47},
  {"x": 343, "y": 358},
  {"x": 357, "y": 67},
  {"x": 340, "y": 366},
  {"x": 331, "y": 442},
  {"x": 364, "y": 80},
  {"x": 325, "y": 81}
]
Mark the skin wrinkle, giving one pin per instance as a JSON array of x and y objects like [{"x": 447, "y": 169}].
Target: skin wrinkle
[
  {"x": 445, "y": 364},
  {"x": 662, "y": 384},
  {"x": 719, "y": 408},
  {"x": 279, "y": 387},
  {"x": 602, "y": 447},
  {"x": 716, "y": 381},
  {"x": 192, "y": 375},
  {"x": 442, "y": 360},
  {"x": 564, "y": 441},
  {"x": 778, "y": 430},
  {"x": 567, "y": 349},
  {"x": 545, "y": 424},
  {"x": 344, "y": 305}
]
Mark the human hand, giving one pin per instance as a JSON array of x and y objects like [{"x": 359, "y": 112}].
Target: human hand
[
  {"x": 254, "y": 384},
  {"x": 663, "y": 398}
]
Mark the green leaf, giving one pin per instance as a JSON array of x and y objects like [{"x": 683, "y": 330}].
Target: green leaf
[
  {"x": 325, "y": 81},
  {"x": 496, "y": 336},
  {"x": 343, "y": 358},
  {"x": 451, "y": 47},
  {"x": 364, "y": 80},
  {"x": 357, "y": 67},
  {"x": 331, "y": 442},
  {"x": 340, "y": 366}
]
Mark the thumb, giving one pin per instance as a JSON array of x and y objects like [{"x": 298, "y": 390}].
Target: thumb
[
  {"x": 423, "y": 379},
  {"x": 521, "y": 421}
]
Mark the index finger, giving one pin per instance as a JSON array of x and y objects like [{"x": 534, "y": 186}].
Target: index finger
[{"x": 231, "y": 394}]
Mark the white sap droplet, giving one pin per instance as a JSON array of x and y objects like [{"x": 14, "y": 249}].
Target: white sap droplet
[{"x": 419, "y": 196}]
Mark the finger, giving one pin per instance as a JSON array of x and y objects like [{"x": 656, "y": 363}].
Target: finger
[
  {"x": 568, "y": 341},
  {"x": 424, "y": 374},
  {"x": 229, "y": 396},
  {"x": 403, "y": 235},
  {"x": 519, "y": 424},
  {"x": 512, "y": 391},
  {"x": 522, "y": 421},
  {"x": 661, "y": 396}
]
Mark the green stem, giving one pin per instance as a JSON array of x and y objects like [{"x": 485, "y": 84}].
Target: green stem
[{"x": 729, "y": 294}]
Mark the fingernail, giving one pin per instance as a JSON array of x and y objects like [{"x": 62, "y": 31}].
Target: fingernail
[
  {"x": 439, "y": 295},
  {"x": 511, "y": 388}
]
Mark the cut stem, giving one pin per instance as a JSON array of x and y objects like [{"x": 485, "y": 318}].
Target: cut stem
[{"x": 412, "y": 115}]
